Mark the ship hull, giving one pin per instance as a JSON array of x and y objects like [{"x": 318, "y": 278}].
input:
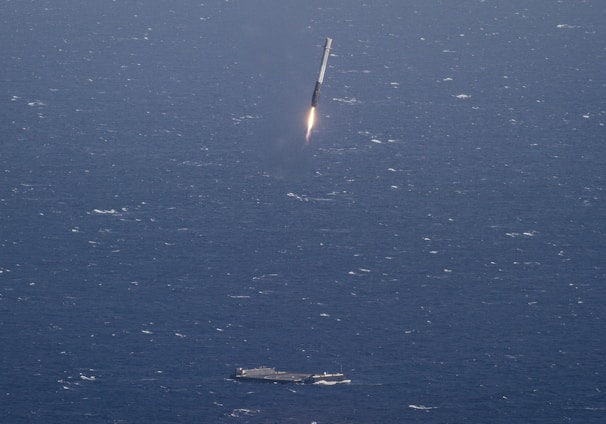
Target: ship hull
[{"x": 270, "y": 375}]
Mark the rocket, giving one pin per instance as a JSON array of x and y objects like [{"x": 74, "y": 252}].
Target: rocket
[{"x": 316, "y": 95}]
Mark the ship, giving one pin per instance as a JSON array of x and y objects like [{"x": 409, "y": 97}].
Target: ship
[{"x": 270, "y": 375}]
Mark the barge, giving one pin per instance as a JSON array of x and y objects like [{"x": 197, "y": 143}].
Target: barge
[{"x": 270, "y": 375}]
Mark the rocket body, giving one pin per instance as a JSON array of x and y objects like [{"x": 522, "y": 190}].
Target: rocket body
[{"x": 316, "y": 96}]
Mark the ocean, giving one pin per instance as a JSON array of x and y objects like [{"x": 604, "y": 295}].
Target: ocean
[{"x": 440, "y": 240}]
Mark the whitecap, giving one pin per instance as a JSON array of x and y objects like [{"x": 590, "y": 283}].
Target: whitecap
[
  {"x": 240, "y": 119},
  {"x": 301, "y": 198},
  {"x": 347, "y": 100},
  {"x": 422, "y": 407},
  {"x": 105, "y": 211},
  {"x": 331, "y": 383},
  {"x": 242, "y": 412}
]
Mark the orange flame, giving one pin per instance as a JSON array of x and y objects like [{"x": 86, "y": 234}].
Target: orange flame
[{"x": 310, "y": 123}]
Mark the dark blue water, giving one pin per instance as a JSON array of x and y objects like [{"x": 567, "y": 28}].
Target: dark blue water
[{"x": 441, "y": 240}]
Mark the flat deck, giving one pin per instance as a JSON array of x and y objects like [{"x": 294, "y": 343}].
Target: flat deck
[{"x": 271, "y": 375}]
